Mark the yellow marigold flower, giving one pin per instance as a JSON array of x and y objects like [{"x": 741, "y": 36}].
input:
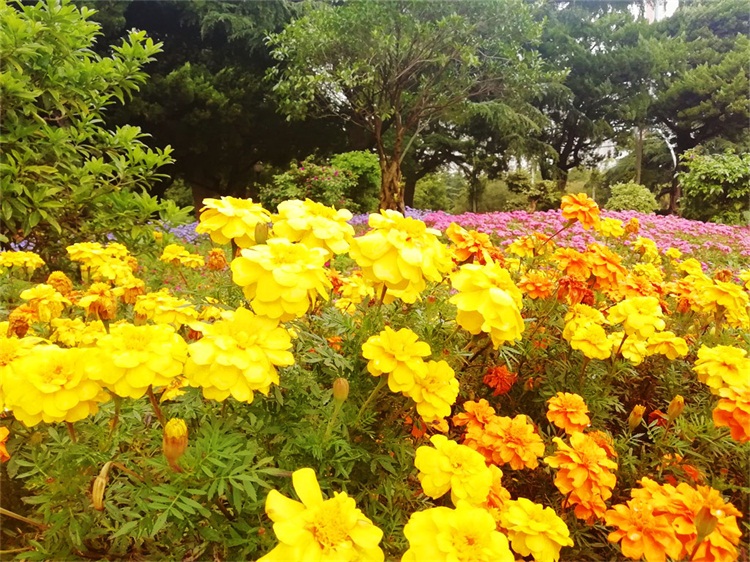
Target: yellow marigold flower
[
  {"x": 611, "y": 228},
  {"x": 728, "y": 297},
  {"x": 281, "y": 279},
  {"x": 172, "y": 253},
  {"x": 722, "y": 366},
  {"x": 238, "y": 356},
  {"x": 536, "y": 284},
  {"x": 132, "y": 358},
  {"x": 605, "y": 266},
  {"x": 733, "y": 411},
  {"x": 49, "y": 385},
  {"x": 466, "y": 533},
  {"x": 315, "y": 225},
  {"x": 435, "y": 390},
  {"x": 470, "y": 245},
  {"x": 397, "y": 354},
  {"x": 683, "y": 506},
  {"x": 318, "y": 529},
  {"x": 592, "y": 341},
  {"x": 568, "y": 411},
  {"x": 454, "y": 467},
  {"x": 640, "y": 316},
  {"x": 164, "y": 308},
  {"x": 354, "y": 289},
  {"x": 584, "y": 475},
  {"x": 100, "y": 301},
  {"x": 46, "y": 301},
  {"x": 112, "y": 270},
  {"x": 691, "y": 266},
  {"x": 75, "y": 332},
  {"x": 131, "y": 290},
  {"x": 641, "y": 533},
  {"x": 505, "y": 440},
  {"x": 28, "y": 260},
  {"x": 647, "y": 248},
  {"x": 20, "y": 320},
  {"x": 523, "y": 247},
  {"x": 488, "y": 301},
  {"x": 667, "y": 343},
  {"x": 580, "y": 315},
  {"x": 633, "y": 349},
  {"x": 673, "y": 253},
  {"x": 60, "y": 282},
  {"x": 572, "y": 262},
  {"x": 534, "y": 530},
  {"x": 230, "y": 218},
  {"x": 580, "y": 208},
  {"x": 11, "y": 349},
  {"x": 4, "y": 434},
  {"x": 745, "y": 276},
  {"x": 399, "y": 255},
  {"x": 650, "y": 272},
  {"x": 217, "y": 260}
]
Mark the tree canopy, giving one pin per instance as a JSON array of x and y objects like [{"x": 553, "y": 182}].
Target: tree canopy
[{"x": 393, "y": 69}]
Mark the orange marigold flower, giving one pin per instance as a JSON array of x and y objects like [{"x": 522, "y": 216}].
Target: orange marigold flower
[
  {"x": 641, "y": 533},
  {"x": 477, "y": 414},
  {"x": 683, "y": 506},
  {"x": 20, "y": 319},
  {"x": 60, "y": 282},
  {"x": 500, "y": 380},
  {"x": 583, "y": 475},
  {"x": 569, "y": 412},
  {"x": 604, "y": 440},
  {"x": 470, "y": 245},
  {"x": 733, "y": 411},
  {"x": 536, "y": 285},
  {"x": 633, "y": 226},
  {"x": 605, "y": 265},
  {"x": 581, "y": 208},
  {"x": 505, "y": 440},
  {"x": 217, "y": 260},
  {"x": 573, "y": 263},
  {"x": 574, "y": 291}
]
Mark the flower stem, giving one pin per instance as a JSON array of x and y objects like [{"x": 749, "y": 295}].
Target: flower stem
[
  {"x": 7, "y": 513},
  {"x": 71, "y": 432},
  {"x": 155, "y": 406},
  {"x": 334, "y": 416},
  {"x": 381, "y": 384}
]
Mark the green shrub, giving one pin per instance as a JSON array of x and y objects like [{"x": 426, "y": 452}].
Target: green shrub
[
  {"x": 716, "y": 187},
  {"x": 631, "y": 197},
  {"x": 308, "y": 180},
  {"x": 62, "y": 173},
  {"x": 365, "y": 169}
]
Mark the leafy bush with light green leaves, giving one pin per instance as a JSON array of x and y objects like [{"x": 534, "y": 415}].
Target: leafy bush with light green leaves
[
  {"x": 631, "y": 197},
  {"x": 62, "y": 172},
  {"x": 716, "y": 187},
  {"x": 365, "y": 169}
]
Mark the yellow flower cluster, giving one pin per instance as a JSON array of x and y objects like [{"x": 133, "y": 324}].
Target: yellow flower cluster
[
  {"x": 238, "y": 356},
  {"x": 178, "y": 255},
  {"x": 130, "y": 359},
  {"x": 399, "y": 255},
  {"x": 230, "y": 218},
  {"x": 534, "y": 530},
  {"x": 26, "y": 260},
  {"x": 314, "y": 225},
  {"x": 164, "y": 308},
  {"x": 281, "y": 279},
  {"x": 488, "y": 301}
]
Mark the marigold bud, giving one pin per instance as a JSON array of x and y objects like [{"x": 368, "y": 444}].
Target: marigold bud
[
  {"x": 340, "y": 389},
  {"x": 217, "y": 260},
  {"x": 100, "y": 484},
  {"x": 175, "y": 441},
  {"x": 261, "y": 233},
  {"x": 705, "y": 523},
  {"x": 676, "y": 406},
  {"x": 636, "y": 416}
]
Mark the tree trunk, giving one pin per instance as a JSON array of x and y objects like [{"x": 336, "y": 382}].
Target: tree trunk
[
  {"x": 391, "y": 188},
  {"x": 638, "y": 153},
  {"x": 410, "y": 187}
]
